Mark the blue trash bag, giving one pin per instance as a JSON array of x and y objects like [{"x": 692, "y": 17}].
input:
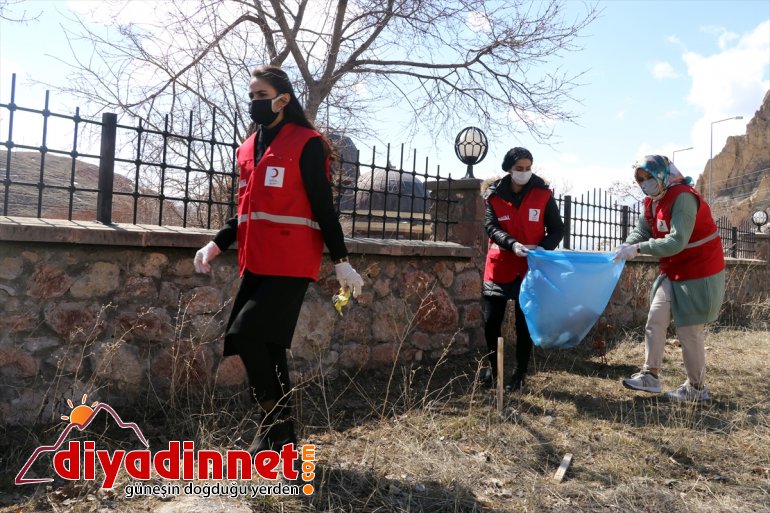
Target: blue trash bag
[{"x": 564, "y": 293}]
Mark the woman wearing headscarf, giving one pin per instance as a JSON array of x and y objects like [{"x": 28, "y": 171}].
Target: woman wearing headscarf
[
  {"x": 521, "y": 214},
  {"x": 285, "y": 216},
  {"x": 677, "y": 227}
]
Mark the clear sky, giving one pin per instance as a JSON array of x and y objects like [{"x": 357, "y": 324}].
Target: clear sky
[{"x": 659, "y": 72}]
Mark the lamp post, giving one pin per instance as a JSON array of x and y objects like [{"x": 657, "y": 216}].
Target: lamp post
[
  {"x": 471, "y": 147},
  {"x": 759, "y": 218},
  {"x": 711, "y": 160},
  {"x": 673, "y": 153}
]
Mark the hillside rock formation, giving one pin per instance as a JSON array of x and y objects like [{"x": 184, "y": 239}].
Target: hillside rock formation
[{"x": 742, "y": 171}]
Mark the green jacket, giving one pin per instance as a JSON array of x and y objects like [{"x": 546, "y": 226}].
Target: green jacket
[{"x": 695, "y": 301}]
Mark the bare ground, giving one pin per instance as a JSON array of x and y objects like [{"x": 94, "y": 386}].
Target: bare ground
[{"x": 426, "y": 439}]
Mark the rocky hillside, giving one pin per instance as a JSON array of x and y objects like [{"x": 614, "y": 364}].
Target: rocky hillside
[{"x": 742, "y": 171}]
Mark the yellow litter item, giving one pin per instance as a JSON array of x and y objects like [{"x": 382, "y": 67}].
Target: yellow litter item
[{"x": 341, "y": 299}]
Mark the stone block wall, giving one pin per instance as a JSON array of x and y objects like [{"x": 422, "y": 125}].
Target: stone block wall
[
  {"x": 91, "y": 309},
  {"x": 119, "y": 313}
]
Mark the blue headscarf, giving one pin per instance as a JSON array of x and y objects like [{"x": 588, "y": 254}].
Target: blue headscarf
[{"x": 663, "y": 170}]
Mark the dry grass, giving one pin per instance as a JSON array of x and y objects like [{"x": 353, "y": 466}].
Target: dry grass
[{"x": 437, "y": 445}]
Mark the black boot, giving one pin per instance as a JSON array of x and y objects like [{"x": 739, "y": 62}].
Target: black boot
[
  {"x": 274, "y": 437},
  {"x": 488, "y": 378},
  {"x": 516, "y": 382}
]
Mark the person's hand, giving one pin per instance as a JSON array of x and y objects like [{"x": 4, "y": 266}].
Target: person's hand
[
  {"x": 349, "y": 278},
  {"x": 626, "y": 252},
  {"x": 205, "y": 255},
  {"x": 534, "y": 247},
  {"x": 520, "y": 249}
]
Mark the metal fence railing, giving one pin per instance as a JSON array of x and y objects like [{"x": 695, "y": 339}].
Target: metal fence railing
[
  {"x": 595, "y": 220},
  {"x": 737, "y": 241},
  {"x": 139, "y": 174},
  {"x": 385, "y": 201},
  {"x": 147, "y": 174}
]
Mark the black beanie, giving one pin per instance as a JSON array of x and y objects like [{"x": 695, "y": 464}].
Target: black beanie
[{"x": 515, "y": 154}]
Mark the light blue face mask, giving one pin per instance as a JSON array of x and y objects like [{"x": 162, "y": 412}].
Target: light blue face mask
[{"x": 650, "y": 187}]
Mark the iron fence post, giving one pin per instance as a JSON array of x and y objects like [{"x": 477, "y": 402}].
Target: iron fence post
[
  {"x": 106, "y": 168},
  {"x": 567, "y": 221},
  {"x": 624, "y": 222},
  {"x": 734, "y": 245}
]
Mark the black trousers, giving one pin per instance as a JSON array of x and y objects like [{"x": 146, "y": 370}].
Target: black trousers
[
  {"x": 260, "y": 329},
  {"x": 494, "y": 313},
  {"x": 268, "y": 370}
]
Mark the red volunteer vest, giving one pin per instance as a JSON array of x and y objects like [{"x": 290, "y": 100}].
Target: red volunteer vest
[
  {"x": 277, "y": 233},
  {"x": 526, "y": 224},
  {"x": 703, "y": 254}
]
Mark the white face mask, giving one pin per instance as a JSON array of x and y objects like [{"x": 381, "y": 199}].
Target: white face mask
[
  {"x": 521, "y": 177},
  {"x": 650, "y": 187}
]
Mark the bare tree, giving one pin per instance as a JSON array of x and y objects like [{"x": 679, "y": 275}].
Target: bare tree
[
  {"x": 445, "y": 62},
  {"x": 7, "y": 14},
  {"x": 627, "y": 191}
]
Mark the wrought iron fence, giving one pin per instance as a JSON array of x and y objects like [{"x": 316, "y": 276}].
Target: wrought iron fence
[
  {"x": 140, "y": 175},
  {"x": 595, "y": 220},
  {"x": 385, "y": 201},
  {"x": 737, "y": 241},
  {"x": 148, "y": 174}
]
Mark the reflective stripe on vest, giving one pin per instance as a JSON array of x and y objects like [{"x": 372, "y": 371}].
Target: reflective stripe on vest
[
  {"x": 702, "y": 256},
  {"x": 264, "y": 216},
  {"x": 702, "y": 241}
]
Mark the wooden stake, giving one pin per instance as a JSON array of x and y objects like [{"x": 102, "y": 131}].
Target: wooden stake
[
  {"x": 500, "y": 377},
  {"x": 559, "y": 475}
]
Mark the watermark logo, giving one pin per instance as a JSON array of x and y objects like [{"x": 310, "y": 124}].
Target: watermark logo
[{"x": 179, "y": 460}]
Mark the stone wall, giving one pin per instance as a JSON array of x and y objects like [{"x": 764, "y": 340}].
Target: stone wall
[{"x": 119, "y": 313}]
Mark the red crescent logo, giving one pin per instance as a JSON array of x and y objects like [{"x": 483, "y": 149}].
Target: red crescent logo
[{"x": 275, "y": 173}]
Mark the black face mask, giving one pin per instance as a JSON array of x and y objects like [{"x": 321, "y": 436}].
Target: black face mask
[{"x": 261, "y": 111}]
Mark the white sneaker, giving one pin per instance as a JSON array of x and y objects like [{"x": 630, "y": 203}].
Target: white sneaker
[
  {"x": 643, "y": 381},
  {"x": 687, "y": 393}
]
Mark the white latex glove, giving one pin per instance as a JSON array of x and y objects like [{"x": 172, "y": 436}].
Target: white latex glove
[
  {"x": 626, "y": 252},
  {"x": 349, "y": 278},
  {"x": 205, "y": 255},
  {"x": 520, "y": 249}
]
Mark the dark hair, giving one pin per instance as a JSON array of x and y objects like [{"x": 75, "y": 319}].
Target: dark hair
[
  {"x": 515, "y": 154},
  {"x": 293, "y": 112},
  {"x": 276, "y": 77}
]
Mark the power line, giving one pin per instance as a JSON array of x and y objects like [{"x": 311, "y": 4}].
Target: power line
[
  {"x": 742, "y": 175},
  {"x": 740, "y": 197},
  {"x": 738, "y": 186}
]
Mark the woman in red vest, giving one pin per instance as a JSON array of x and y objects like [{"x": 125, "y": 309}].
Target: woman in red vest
[
  {"x": 285, "y": 215},
  {"x": 521, "y": 214},
  {"x": 677, "y": 227}
]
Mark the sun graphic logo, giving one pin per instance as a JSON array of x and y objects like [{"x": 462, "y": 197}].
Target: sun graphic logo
[
  {"x": 81, "y": 413},
  {"x": 80, "y": 417},
  {"x": 178, "y": 461}
]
